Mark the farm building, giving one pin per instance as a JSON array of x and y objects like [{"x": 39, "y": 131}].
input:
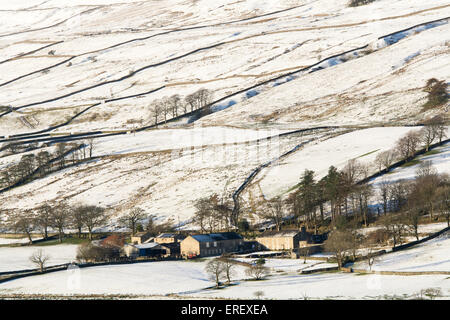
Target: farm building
[
  {"x": 151, "y": 249},
  {"x": 284, "y": 240},
  {"x": 169, "y": 238},
  {"x": 213, "y": 244},
  {"x": 141, "y": 237}
]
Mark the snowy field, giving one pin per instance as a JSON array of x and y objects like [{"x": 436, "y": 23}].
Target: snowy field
[
  {"x": 423, "y": 228},
  {"x": 17, "y": 258},
  {"x": 150, "y": 278},
  {"x": 440, "y": 160},
  {"x": 332, "y": 286},
  {"x": 291, "y": 265},
  {"x": 434, "y": 255},
  {"x": 8, "y": 241},
  {"x": 188, "y": 279}
]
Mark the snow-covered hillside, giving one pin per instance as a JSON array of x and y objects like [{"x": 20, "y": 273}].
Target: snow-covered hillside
[
  {"x": 273, "y": 67},
  {"x": 59, "y": 57}
]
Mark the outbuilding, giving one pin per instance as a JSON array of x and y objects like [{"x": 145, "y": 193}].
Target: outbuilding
[
  {"x": 149, "y": 250},
  {"x": 284, "y": 240}
]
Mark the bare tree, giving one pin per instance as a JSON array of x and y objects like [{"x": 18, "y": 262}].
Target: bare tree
[
  {"x": 257, "y": 270},
  {"x": 228, "y": 265},
  {"x": 77, "y": 218},
  {"x": 395, "y": 227},
  {"x": 175, "y": 104},
  {"x": 61, "y": 149},
  {"x": 385, "y": 159},
  {"x": 191, "y": 100},
  {"x": 204, "y": 97},
  {"x": 43, "y": 219},
  {"x": 60, "y": 218},
  {"x": 215, "y": 270},
  {"x": 94, "y": 217},
  {"x": 398, "y": 194},
  {"x": 371, "y": 256},
  {"x": 438, "y": 124},
  {"x": 39, "y": 258},
  {"x": 23, "y": 222},
  {"x": 443, "y": 197},
  {"x": 43, "y": 162},
  {"x": 132, "y": 218},
  {"x": 427, "y": 136},
  {"x": 275, "y": 212},
  {"x": 364, "y": 193},
  {"x": 339, "y": 242},
  {"x": 91, "y": 146},
  {"x": 437, "y": 92},
  {"x": 165, "y": 107},
  {"x": 383, "y": 192},
  {"x": 155, "y": 111},
  {"x": 427, "y": 181},
  {"x": 407, "y": 145},
  {"x": 212, "y": 213}
]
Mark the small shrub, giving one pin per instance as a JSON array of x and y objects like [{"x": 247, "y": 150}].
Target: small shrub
[
  {"x": 257, "y": 271},
  {"x": 357, "y": 3},
  {"x": 437, "y": 93},
  {"x": 87, "y": 252},
  {"x": 431, "y": 293},
  {"x": 379, "y": 236}
]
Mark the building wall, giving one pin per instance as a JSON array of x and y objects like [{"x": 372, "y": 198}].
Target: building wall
[
  {"x": 278, "y": 243},
  {"x": 216, "y": 248},
  {"x": 165, "y": 240},
  {"x": 140, "y": 239},
  {"x": 136, "y": 240},
  {"x": 131, "y": 252},
  {"x": 189, "y": 246},
  {"x": 205, "y": 249}
]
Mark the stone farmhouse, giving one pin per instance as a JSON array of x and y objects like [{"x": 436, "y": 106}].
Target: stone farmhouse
[{"x": 213, "y": 244}]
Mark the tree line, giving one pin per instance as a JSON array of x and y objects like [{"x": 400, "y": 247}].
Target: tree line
[
  {"x": 58, "y": 217},
  {"x": 405, "y": 203},
  {"x": 176, "y": 105},
  {"x": 32, "y": 166},
  {"x": 344, "y": 192},
  {"x": 61, "y": 217}
]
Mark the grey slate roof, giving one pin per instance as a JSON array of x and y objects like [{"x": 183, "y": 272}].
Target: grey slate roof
[
  {"x": 217, "y": 236},
  {"x": 170, "y": 235},
  {"x": 277, "y": 234}
]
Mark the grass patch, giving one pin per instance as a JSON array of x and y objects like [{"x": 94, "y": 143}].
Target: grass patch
[
  {"x": 410, "y": 163},
  {"x": 196, "y": 260},
  {"x": 431, "y": 152},
  {"x": 368, "y": 153},
  {"x": 69, "y": 240}
]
